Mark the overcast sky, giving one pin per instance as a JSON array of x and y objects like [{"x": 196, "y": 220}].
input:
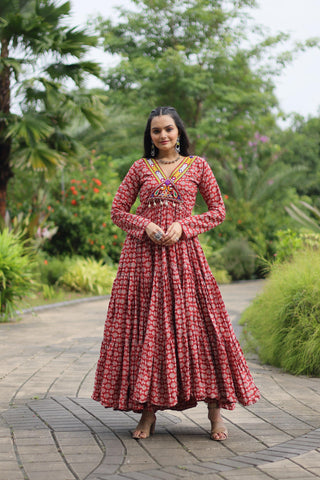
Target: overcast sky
[{"x": 298, "y": 87}]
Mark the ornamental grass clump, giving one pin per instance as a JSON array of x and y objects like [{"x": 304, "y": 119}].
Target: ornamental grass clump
[
  {"x": 283, "y": 323},
  {"x": 89, "y": 275},
  {"x": 16, "y": 279}
]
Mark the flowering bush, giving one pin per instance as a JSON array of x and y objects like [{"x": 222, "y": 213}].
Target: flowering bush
[{"x": 82, "y": 214}]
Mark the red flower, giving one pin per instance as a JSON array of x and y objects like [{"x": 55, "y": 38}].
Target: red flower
[
  {"x": 104, "y": 224},
  {"x": 102, "y": 247},
  {"x": 115, "y": 236},
  {"x": 46, "y": 262},
  {"x": 97, "y": 182},
  {"x": 239, "y": 221},
  {"x": 84, "y": 181},
  {"x": 74, "y": 192},
  {"x": 82, "y": 197},
  {"x": 73, "y": 181},
  {"x": 226, "y": 197},
  {"x": 91, "y": 242},
  {"x": 73, "y": 202},
  {"x": 75, "y": 214},
  {"x": 96, "y": 190}
]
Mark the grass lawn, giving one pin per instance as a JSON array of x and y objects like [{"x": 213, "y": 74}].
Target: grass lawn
[{"x": 56, "y": 295}]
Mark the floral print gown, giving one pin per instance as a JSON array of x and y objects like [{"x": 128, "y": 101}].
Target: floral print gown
[{"x": 168, "y": 340}]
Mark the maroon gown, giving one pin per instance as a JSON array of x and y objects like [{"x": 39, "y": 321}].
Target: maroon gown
[{"x": 168, "y": 340}]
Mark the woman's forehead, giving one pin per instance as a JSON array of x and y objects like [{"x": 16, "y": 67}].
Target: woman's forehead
[{"x": 162, "y": 121}]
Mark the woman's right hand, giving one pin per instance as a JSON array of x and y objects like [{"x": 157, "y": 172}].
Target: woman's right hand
[{"x": 153, "y": 231}]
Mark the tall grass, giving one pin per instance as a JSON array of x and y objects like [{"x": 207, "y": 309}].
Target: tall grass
[{"x": 283, "y": 323}]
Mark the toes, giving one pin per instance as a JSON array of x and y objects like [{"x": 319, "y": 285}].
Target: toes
[
  {"x": 139, "y": 434},
  {"x": 219, "y": 436}
]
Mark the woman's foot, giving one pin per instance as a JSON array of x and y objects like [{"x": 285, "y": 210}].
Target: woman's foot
[
  {"x": 219, "y": 431},
  {"x": 146, "y": 426}
]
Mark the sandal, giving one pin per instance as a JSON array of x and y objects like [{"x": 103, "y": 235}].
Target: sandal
[
  {"x": 146, "y": 425},
  {"x": 219, "y": 432}
]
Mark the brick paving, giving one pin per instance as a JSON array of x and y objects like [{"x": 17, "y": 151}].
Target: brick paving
[{"x": 50, "y": 429}]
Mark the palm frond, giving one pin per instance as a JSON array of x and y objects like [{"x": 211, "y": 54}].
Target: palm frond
[
  {"x": 30, "y": 129},
  {"x": 274, "y": 179},
  {"x": 74, "y": 71},
  {"x": 301, "y": 217},
  {"x": 40, "y": 157}
]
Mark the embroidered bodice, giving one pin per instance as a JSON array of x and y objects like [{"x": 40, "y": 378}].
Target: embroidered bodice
[{"x": 164, "y": 200}]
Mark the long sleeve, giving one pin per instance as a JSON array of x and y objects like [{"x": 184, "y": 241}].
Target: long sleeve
[
  {"x": 124, "y": 199},
  {"x": 209, "y": 189}
]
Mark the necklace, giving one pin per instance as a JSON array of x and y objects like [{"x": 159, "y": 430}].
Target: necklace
[{"x": 167, "y": 163}]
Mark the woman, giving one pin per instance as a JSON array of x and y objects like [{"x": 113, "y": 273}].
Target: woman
[{"x": 168, "y": 341}]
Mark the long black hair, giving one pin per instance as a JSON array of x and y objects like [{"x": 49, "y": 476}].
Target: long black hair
[{"x": 184, "y": 140}]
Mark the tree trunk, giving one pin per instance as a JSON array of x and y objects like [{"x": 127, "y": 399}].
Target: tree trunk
[{"x": 5, "y": 144}]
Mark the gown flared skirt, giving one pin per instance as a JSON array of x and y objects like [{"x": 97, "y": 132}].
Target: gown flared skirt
[{"x": 168, "y": 340}]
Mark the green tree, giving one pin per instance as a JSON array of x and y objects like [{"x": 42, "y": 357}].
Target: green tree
[
  {"x": 194, "y": 55},
  {"x": 300, "y": 145},
  {"x": 258, "y": 187},
  {"x": 43, "y": 68}
]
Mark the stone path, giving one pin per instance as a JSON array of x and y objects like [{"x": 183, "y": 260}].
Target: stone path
[{"x": 50, "y": 429}]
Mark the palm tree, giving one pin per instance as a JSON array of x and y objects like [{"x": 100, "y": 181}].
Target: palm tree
[{"x": 42, "y": 73}]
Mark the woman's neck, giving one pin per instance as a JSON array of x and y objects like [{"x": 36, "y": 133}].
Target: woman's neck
[{"x": 168, "y": 155}]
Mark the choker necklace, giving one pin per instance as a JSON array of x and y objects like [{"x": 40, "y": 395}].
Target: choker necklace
[{"x": 167, "y": 163}]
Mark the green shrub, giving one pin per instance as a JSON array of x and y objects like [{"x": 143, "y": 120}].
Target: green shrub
[
  {"x": 49, "y": 269},
  {"x": 283, "y": 323},
  {"x": 221, "y": 276},
  {"x": 239, "y": 259},
  {"x": 15, "y": 272},
  {"x": 89, "y": 275},
  {"x": 289, "y": 242},
  {"x": 213, "y": 258}
]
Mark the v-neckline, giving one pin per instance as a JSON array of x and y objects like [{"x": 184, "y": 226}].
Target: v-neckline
[
  {"x": 175, "y": 175},
  {"x": 169, "y": 177}
]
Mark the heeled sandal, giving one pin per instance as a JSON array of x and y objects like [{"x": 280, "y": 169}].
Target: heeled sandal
[
  {"x": 144, "y": 428},
  {"x": 217, "y": 425}
]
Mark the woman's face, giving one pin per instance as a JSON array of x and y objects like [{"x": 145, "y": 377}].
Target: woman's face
[{"x": 164, "y": 133}]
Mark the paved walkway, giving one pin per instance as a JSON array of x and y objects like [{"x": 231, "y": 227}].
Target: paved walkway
[{"x": 50, "y": 429}]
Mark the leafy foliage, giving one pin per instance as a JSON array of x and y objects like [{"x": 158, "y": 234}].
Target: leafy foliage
[
  {"x": 239, "y": 259},
  {"x": 312, "y": 221},
  {"x": 48, "y": 87},
  {"x": 89, "y": 275},
  {"x": 48, "y": 270},
  {"x": 15, "y": 273},
  {"x": 300, "y": 146},
  {"x": 82, "y": 214},
  {"x": 188, "y": 54},
  {"x": 289, "y": 243}
]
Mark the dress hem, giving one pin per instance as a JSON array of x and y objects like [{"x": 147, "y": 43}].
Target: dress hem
[{"x": 180, "y": 406}]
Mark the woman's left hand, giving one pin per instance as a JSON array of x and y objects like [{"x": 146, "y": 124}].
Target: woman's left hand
[{"x": 173, "y": 234}]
